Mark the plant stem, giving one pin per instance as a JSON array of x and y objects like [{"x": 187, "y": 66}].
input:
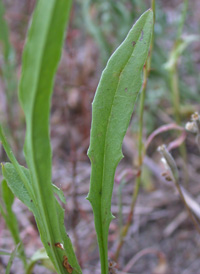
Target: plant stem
[
  {"x": 175, "y": 92},
  {"x": 174, "y": 176},
  {"x": 196, "y": 224},
  {"x": 174, "y": 83},
  {"x": 141, "y": 152}
]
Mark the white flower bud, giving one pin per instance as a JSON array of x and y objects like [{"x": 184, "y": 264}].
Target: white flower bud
[
  {"x": 195, "y": 116},
  {"x": 192, "y": 127}
]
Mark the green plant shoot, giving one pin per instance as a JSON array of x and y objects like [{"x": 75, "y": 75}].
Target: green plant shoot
[
  {"x": 33, "y": 186},
  {"x": 111, "y": 112},
  {"x": 10, "y": 218}
]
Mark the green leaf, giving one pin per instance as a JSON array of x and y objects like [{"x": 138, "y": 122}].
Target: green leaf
[
  {"x": 4, "y": 252},
  {"x": 40, "y": 60},
  {"x": 40, "y": 255},
  {"x": 60, "y": 193},
  {"x": 20, "y": 191},
  {"x": 17, "y": 187},
  {"x": 111, "y": 112},
  {"x": 10, "y": 173},
  {"x": 4, "y": 33},
  {"x": 178, "y": 50},
  {"x": 7, "y": 196},
  {"x": 13, "y": 255},
  {"x": 10, "y": 218},
  {"x": 7, "y": 66},
  {"x": 15, "y": 163}
]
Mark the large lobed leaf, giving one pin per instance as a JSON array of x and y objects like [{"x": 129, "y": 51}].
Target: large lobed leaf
[{"x": 111, "y": 112}]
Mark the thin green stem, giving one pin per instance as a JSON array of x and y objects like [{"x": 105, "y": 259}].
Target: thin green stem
[
  {"x": 175, "y": 93},
  {"x": 174, "y": 85},
  {"x": 15, "y": 235},
  {"x": 120, "y": 205},
  {"x": 182, "y": 19}
]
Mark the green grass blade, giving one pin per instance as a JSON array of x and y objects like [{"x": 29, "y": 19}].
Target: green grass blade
[
  {"x": 4, "y": 252},
  {"x": 4, "y": 33},
  {"x": 111, "y": 112},
  {"x": 15, "y": 163},
  {"x": 12, "y": 256},
  {"x": 40, "y": 60},
  {"x": 95, "y": 31},
  {"x": 8, "y": 66},
  {"x": 10, "y": 218}
]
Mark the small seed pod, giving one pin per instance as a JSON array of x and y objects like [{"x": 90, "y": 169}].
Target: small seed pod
[{"x": 169, "y": 162}]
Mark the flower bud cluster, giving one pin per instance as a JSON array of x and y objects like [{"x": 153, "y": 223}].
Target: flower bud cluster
[{"x": 194, "y": 125}]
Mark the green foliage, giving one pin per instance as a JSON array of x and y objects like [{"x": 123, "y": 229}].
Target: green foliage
[
  {"x": 111, "y": 112},
  {"x": 4, "y": 34},
  {"x": 8, "y": 69},
  {"x": 40, "y": 59},
  {"x": 108, "y": 22},
  {"x": 178, "y": 49},
  {"x": 12, "y": 256},
  {"x": 20, "y": 191},
  {"x": 39, "y": 255},
  {"x": 9, "y": 216},
  {"x": 112, "y": 108},
  {"x": 4, "y": 252}
]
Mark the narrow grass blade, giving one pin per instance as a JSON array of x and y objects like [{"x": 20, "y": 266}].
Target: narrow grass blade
[
  {"x": 10, "y": 218},
  {"x": 4, "y": 33},
  {"x": 111, "y": 112},
  {"x": 12, "y": 256},
  {"x": 4, "y": 252},
  {"x": 8, "y": 66}
]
